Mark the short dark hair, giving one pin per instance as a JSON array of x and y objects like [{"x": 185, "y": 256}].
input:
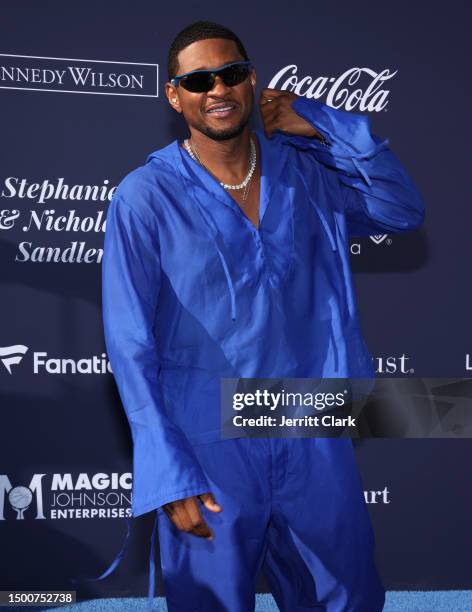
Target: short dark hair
[{"x": 199, "y": 30}]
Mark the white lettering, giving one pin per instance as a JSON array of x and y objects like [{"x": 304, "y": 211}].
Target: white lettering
[{"x": 338, "y": 90}]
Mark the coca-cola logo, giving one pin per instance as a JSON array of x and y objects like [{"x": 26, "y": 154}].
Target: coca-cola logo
[{"x": 342, "y": 91}]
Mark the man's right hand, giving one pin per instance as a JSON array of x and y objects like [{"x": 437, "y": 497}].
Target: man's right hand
[{"x": 186, "y": 516}]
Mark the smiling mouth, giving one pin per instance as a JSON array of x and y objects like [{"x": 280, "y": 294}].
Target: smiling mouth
[{"x": 222, "y": 111}]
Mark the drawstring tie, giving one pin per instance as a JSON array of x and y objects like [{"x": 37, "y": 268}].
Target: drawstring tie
[
  {"x": 319, "y": 211},
  {"x": 152, "y": 565},
  {"x": 116, "y": 561},
  {"x": 230, "y": 283},
  {"x": 215, "y": 235},
  {"x": 366, "y": 155},
  {"x": 355, "y": 157}
]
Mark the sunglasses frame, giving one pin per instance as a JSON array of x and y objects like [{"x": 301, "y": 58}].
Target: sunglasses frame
[{"x": 176, "y": 80}]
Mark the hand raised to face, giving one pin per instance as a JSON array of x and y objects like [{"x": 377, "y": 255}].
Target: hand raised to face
[{"x": 278, "y": 114}]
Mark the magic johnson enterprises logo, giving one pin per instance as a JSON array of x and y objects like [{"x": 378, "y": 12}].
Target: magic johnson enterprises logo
[
  {"x": 66, "y": 496},
  {"x": 44, "y": 364},
  {"x": 85, "y": 76},
  {"x": 356, "y": 88},
  {"x": 50, "y": 217}
]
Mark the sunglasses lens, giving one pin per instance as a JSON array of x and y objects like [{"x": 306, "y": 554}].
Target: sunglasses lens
[
  {"x": 233, "y": 75},
  {"x": 198, "y": 82},
  {"x": 201, "y": 82}
]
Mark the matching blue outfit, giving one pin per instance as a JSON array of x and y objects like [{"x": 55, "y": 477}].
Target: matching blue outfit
[{"x": 192, "y": 292}]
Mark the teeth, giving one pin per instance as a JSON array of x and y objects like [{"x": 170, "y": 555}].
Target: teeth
[{"x": 221, "y": 108}]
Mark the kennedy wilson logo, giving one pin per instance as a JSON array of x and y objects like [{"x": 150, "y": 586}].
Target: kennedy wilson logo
[{"x": 37, "y": 73}]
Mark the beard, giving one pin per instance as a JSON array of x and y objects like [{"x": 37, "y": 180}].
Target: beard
[{"x": 223, "y": 133}]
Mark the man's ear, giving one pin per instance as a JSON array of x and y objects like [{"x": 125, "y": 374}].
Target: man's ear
[
  {"x": 172, "y": 97},
  {"x": 252, "y": 78}
]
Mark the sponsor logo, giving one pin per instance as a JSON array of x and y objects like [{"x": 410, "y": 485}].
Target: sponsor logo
[
  {"x": 51, "y": 192},
  {"x": 393, "y": 365},
  {"x": 377, "y": 497},
  {"x": 85, "y": 76},
  {"x": 342, "y": 91},
  {"x": 355, "y": 248},
  {"x": 12, "y": 355},
  {"x": 40, "y": 193},
  {"x": 378, "y": 238},
  {"x": 76, "y": 252},
  {"x": 97, "y": 364},
  {"x": 64, "y": 496},
  {"x": 468, "y": 362}
]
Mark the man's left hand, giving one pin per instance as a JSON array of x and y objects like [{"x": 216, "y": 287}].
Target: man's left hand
[{"x": 277, "y": 114}]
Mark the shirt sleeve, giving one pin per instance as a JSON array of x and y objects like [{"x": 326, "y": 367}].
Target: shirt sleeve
[
  {"x": 164, "y": 465},
  {"x": 378, "y": 195}
]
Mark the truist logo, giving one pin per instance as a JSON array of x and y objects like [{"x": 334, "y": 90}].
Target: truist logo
[
  {"x": 12, "y": 355},
  {"x": 393, "y": 365},
  {"x": 37, "y": 73},
  {"x": 356, "y": 87}
]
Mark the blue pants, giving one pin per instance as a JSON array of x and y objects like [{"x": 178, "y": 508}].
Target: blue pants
[{"x": 293, "y": 506}]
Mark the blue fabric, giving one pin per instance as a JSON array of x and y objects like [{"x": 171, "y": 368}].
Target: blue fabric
[
  {"x": 294, "y": 507},
  {"x": 193, "y": 291}
]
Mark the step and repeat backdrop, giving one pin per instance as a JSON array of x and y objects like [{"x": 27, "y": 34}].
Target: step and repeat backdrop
[{"x": 82, "y": 104}]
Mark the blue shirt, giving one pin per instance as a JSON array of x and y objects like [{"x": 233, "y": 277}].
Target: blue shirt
[{"x": 193, "y": 291}]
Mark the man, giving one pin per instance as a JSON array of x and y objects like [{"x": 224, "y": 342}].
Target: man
[{"x": 227, "y": 255}]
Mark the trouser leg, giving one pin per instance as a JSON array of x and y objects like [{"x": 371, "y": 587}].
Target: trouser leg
[
  {"x": 321, "y": 543},
  {"x": 220, "y": 575}
]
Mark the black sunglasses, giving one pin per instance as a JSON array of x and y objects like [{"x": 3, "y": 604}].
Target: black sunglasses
[{"x": 200, "y": 81}]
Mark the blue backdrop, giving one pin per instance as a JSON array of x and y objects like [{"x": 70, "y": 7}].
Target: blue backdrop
[{"x": 82, "y": 104}]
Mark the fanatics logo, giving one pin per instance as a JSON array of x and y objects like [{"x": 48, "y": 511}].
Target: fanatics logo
[
  {"x": 12, "y": 355},
  {"x": 43, "y": 364}
]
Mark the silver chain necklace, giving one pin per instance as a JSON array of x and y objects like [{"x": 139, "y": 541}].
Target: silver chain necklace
[{"x": 252, "y": 165}]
